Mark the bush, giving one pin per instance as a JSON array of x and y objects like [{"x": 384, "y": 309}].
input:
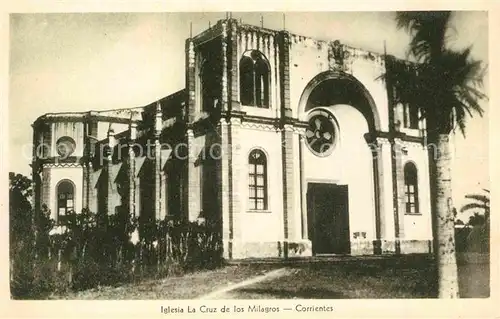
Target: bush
[
  {"x": 21, "y": 271},
  {"x": 92, "y": 250},
  {"x": 89, "y": 274}
]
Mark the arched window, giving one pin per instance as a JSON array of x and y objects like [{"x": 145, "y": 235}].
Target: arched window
[
  {"x": 257, "y": 185},
  {"x": 411, "y": 188},
  {"x": 254, "y": 79},
  {"x": 210, "y": 86},
  {"x": 65, "y": 199}
]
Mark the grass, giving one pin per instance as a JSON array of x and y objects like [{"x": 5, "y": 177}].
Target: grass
[
  {"x": 406, "y": 277},
  {"x": 401, "y": 277},
  {"x": 189, "y": 286},
  {"x": 384, "y": 278},
  {"x": 474, "y": 280}
]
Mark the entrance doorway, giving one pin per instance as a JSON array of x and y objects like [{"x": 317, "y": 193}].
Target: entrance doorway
[{"x": 328, "y": 218}]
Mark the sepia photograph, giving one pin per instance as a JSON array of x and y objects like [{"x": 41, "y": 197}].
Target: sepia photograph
[{"x": 248, "y": 156}]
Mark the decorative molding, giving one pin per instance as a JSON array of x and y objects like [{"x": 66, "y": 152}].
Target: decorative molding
[
  {"x": 397, "y": 137},
  {"x": 63, "y": 165},
  {"x": 336, "y": 56},
  {"x": 252, "y": 28},
  {"x": 259, "y": 126},
  {"x": 413, "y": 144},
  {"x": 82, "y": 118},
  {"x": 191, "y": 59}
]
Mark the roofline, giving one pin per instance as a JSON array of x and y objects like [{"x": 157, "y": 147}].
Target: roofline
[
  {"x": 275, "y": 32},
  {"x": 101, "y": 113}
]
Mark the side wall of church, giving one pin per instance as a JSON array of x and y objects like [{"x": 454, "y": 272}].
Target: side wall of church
[
  {"x": 260, "y": 230},
  {"x": 418, "y": 227}
]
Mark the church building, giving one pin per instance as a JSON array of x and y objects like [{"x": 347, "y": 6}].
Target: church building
[{"x": 293, "y": 145}]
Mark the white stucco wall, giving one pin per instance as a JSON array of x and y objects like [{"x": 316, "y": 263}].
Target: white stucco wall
[
  {"x": 350, "y": 164},
  {"x": 308, "y": 58},
  {"x": 419, "y": 226},
  {"x": 261, "y": 226},
  {"x": 367, "y": 69}
]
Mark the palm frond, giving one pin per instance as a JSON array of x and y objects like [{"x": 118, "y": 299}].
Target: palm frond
[
  {"x": 473, "y": 206},
  {"x": 428, "y": 31},
  {"x": 445, "y": 84},
  {"x": 480, "y": 198},
  {"x": 459, "y": 117}
]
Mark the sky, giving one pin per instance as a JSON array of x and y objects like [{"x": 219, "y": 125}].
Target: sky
[{"x": 98, "y": 61}]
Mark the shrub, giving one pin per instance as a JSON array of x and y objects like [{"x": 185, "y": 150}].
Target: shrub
[{"x": 92, "y": 250}]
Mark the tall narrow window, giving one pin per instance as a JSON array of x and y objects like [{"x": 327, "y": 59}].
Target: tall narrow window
[
  {"x": 254, "y": 79},
  {"x": 410, "y": 114},
  {"x": 65, "y": 199},
  {"x": 210, "y": 86},
  {"x": 411, "y": 188},
  {"x": 257, "y": 186},
  {"x": 246, "y": 81}
]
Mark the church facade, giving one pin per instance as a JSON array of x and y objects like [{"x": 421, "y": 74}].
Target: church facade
[{"x": 293, "y": 145}]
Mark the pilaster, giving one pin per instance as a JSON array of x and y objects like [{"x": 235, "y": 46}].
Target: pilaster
[
  {"x": 288, "y": 167},
  {"x": 233, "y": 66},
  {"x": 131, "y": 171},
  {"x": 227, "y": 213},
  {"x": 158, "y": 180},
  {"x": 109, "y": 162},
  {"x": 190, "y": 80},
  {"x": 225, "y": 102},
  {"x": 86, "y": 184},
  {"x": 193, "y": 187},
  {"x": 303, "y": 187},
  {"x": 235, "y": 166},
  {"x": 46, "y": 176},
  {"x": 86, "y": 166},
  {"x": 400, "y": 188},
  {"x": 284, "y": 73},
  {"x": 384, "y": 189},
  {"x": 157, "y": 162}
]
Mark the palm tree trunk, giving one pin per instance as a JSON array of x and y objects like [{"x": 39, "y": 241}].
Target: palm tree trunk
[{"x": 444, "y": 218}]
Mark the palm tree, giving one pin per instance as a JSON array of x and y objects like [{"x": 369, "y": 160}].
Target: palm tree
[
  {"x": 445, "y": 85},
  {"x": 479, "y": 238},
  {"x": 480, "y": 202}
]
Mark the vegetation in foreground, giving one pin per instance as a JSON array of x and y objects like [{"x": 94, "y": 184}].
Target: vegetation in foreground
[{"x": 392, "y": 277}]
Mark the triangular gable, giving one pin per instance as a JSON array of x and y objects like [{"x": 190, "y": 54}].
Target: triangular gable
[
  {"x": 95, "y": 177},
  {"x": 139, "y": 161},
  {"x": 164, "y": 155},
  {"x": 114, "y": 170}
]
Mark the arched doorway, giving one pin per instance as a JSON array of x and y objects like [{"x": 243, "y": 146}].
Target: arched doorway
[{"x": 339, "y": 173}]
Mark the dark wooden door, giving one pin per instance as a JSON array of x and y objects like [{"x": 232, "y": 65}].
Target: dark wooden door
[{"x": 328, "y": 218}]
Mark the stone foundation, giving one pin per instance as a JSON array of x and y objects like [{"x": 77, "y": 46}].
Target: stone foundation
[
  {"x": 362, "y": 247},
  {"x": 303, "y": 248},
  {"x": 416, "y": 246},
  {"x": 407, "y": 246},
  {"x": 387, "y": 246},
  {"x": 275, "y": 249}
]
